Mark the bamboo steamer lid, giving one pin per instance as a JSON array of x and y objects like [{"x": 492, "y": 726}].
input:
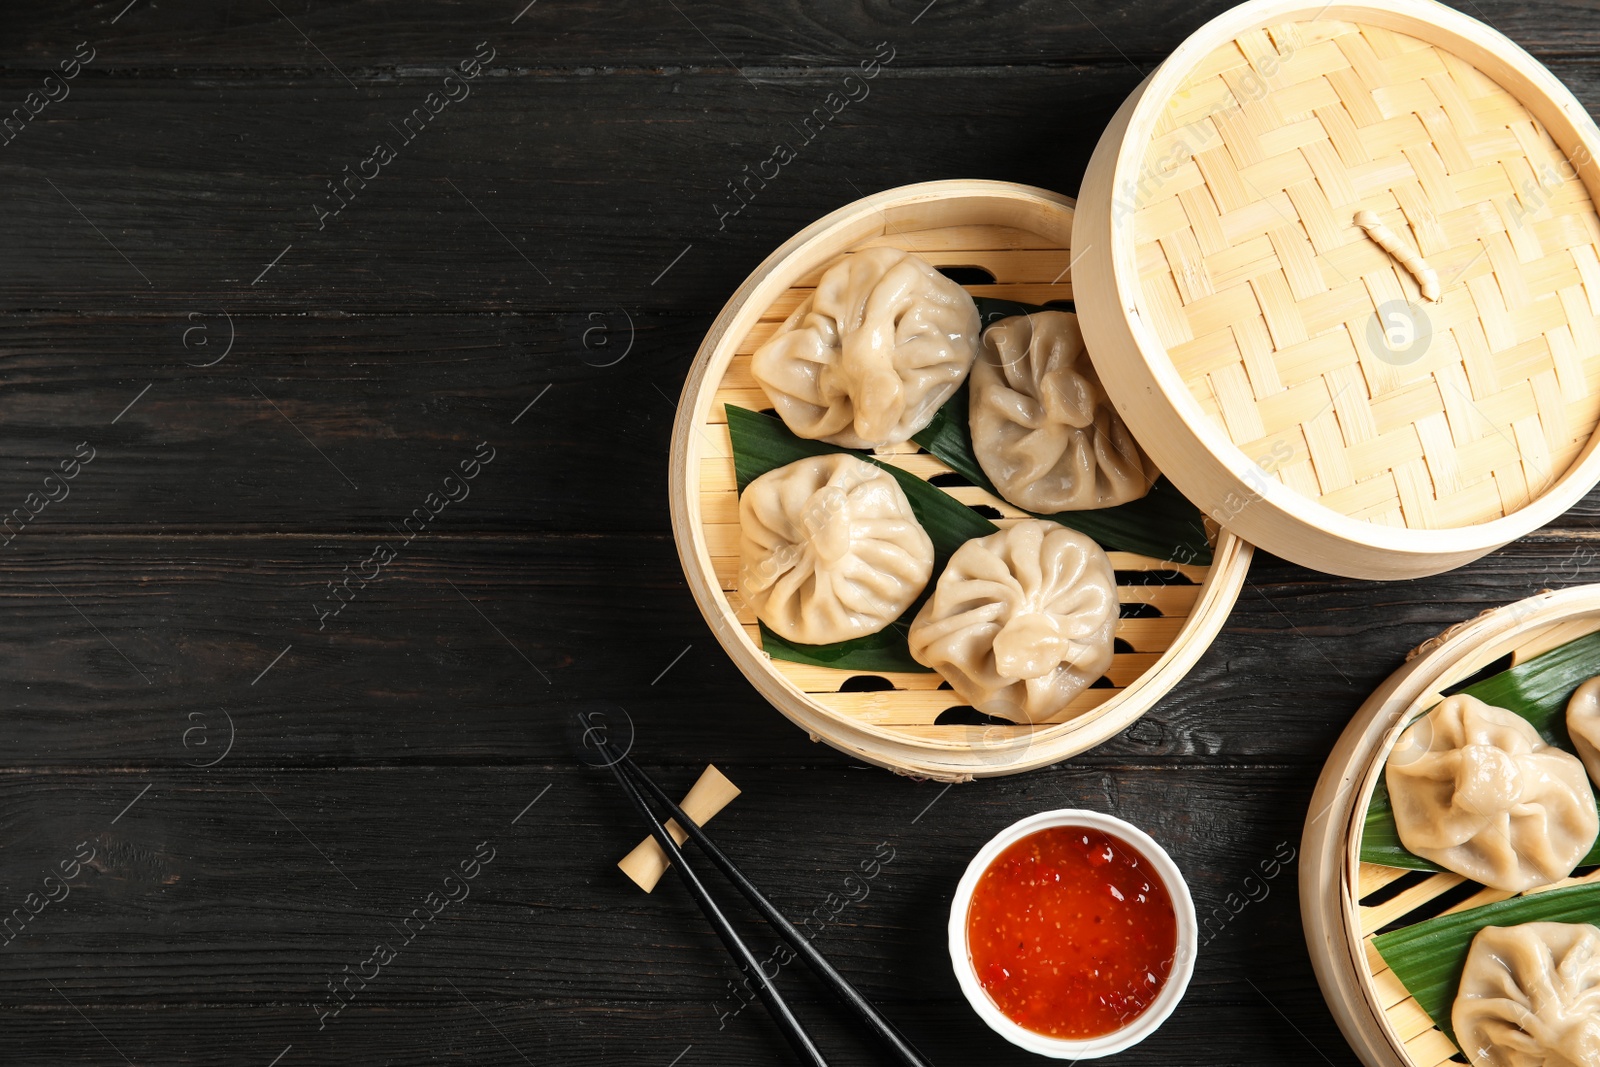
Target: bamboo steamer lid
[{"x": 1284, "y": 365}]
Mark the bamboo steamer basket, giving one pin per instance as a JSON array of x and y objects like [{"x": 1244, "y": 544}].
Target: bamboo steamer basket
[
  {"x": 1345, "y": 902},
  {"x": 1282, "y": 367},
  {"x": 1022, "y": 237}
]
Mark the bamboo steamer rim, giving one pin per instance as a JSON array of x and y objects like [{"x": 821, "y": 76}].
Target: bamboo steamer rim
[
  {"x": 1330, "y": 859},
  {"x": 992, "y": 202},
  {"x": 1313, "y": 534}
]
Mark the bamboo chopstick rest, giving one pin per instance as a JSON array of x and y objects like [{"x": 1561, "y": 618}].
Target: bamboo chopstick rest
[
  {"x": 647, "y": 863},
  {"x": 1427, "y": 278}
]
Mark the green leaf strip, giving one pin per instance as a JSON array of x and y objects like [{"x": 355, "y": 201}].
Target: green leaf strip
[
  {"x": 1428, "y": 956},
  {"x": 762, "y": 443},
  {"x": 1162, "y": 524},
  {"x": 1537, "y": 690}
]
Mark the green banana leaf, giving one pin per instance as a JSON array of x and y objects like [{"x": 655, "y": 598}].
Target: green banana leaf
[
  {"x": 762, "y": 443},
  {"x": 1428, "y": 956},
  {"x": 1162, "y": 523},
  {"x": 1538, "y": 691}
]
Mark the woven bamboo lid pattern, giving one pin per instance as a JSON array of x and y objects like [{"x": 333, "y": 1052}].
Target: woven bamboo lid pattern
[
  {"x": 1265, "y": 290},
  {"x": 1313, "y": 360}
]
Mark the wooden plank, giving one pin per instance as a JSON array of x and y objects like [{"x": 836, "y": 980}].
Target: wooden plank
[
  {"x": 600, "y": 40},
  {"x": 502, "y": 1031},
  {"x": 215, "y": 218},
  {"x": 265, "y": 440},
  {"x": 195, "y": 869},
  {"x": 1380, "y": 915},
  {"x": 408, "y": 666},
  {"x": 564, "y": 216},
  {"x": 1374, "y": 877}
]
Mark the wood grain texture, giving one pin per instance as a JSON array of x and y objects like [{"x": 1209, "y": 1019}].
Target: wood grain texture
[
  {"x": 365, "y": 37},
  {"x": 395, "y": 402},
  {"x": 531, "y": 194},
  {"x": 143, "y": 609},
  {"x": 210, "y": 842},
  {"x": 410, "y": 672},
  {"x": 558, "y": 214},
  {"x": 500, "y": 1033}
]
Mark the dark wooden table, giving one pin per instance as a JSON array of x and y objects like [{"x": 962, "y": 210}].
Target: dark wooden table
[{"x": 276, "y": 738}]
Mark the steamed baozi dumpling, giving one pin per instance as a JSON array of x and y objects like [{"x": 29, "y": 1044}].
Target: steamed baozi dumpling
[
  {"x": 1042, "y": 427},
  {"x": 1476, "y": 790},
  {"x": 1530, "y": 996},
  {"x": 1021, "y": 621},
  {"x": 1583, "y": 723},
  {"x": 868, "y": 358},
  {"x": 830, "y": 550}
]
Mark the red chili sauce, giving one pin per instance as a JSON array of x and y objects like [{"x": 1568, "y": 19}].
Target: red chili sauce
[{"x": 1071, "y": 932}]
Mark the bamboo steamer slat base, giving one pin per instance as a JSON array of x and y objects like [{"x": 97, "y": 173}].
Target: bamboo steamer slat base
[
  {"x": 1236, "y": 302},
  {"x": 1382, "y": 1022},
  {"x": 1021, "y": 236}
]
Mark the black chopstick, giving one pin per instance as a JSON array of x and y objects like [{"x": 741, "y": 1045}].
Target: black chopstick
[
  {"x": 792, "y": 1030},
  {"x": 905, "y": 1052}
]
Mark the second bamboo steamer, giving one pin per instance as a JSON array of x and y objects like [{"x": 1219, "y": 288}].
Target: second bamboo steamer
[{"x": 1345, "y": 902}]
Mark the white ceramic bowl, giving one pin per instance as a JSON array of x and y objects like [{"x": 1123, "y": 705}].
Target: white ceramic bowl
[{"x": 1182, "y": 966}]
